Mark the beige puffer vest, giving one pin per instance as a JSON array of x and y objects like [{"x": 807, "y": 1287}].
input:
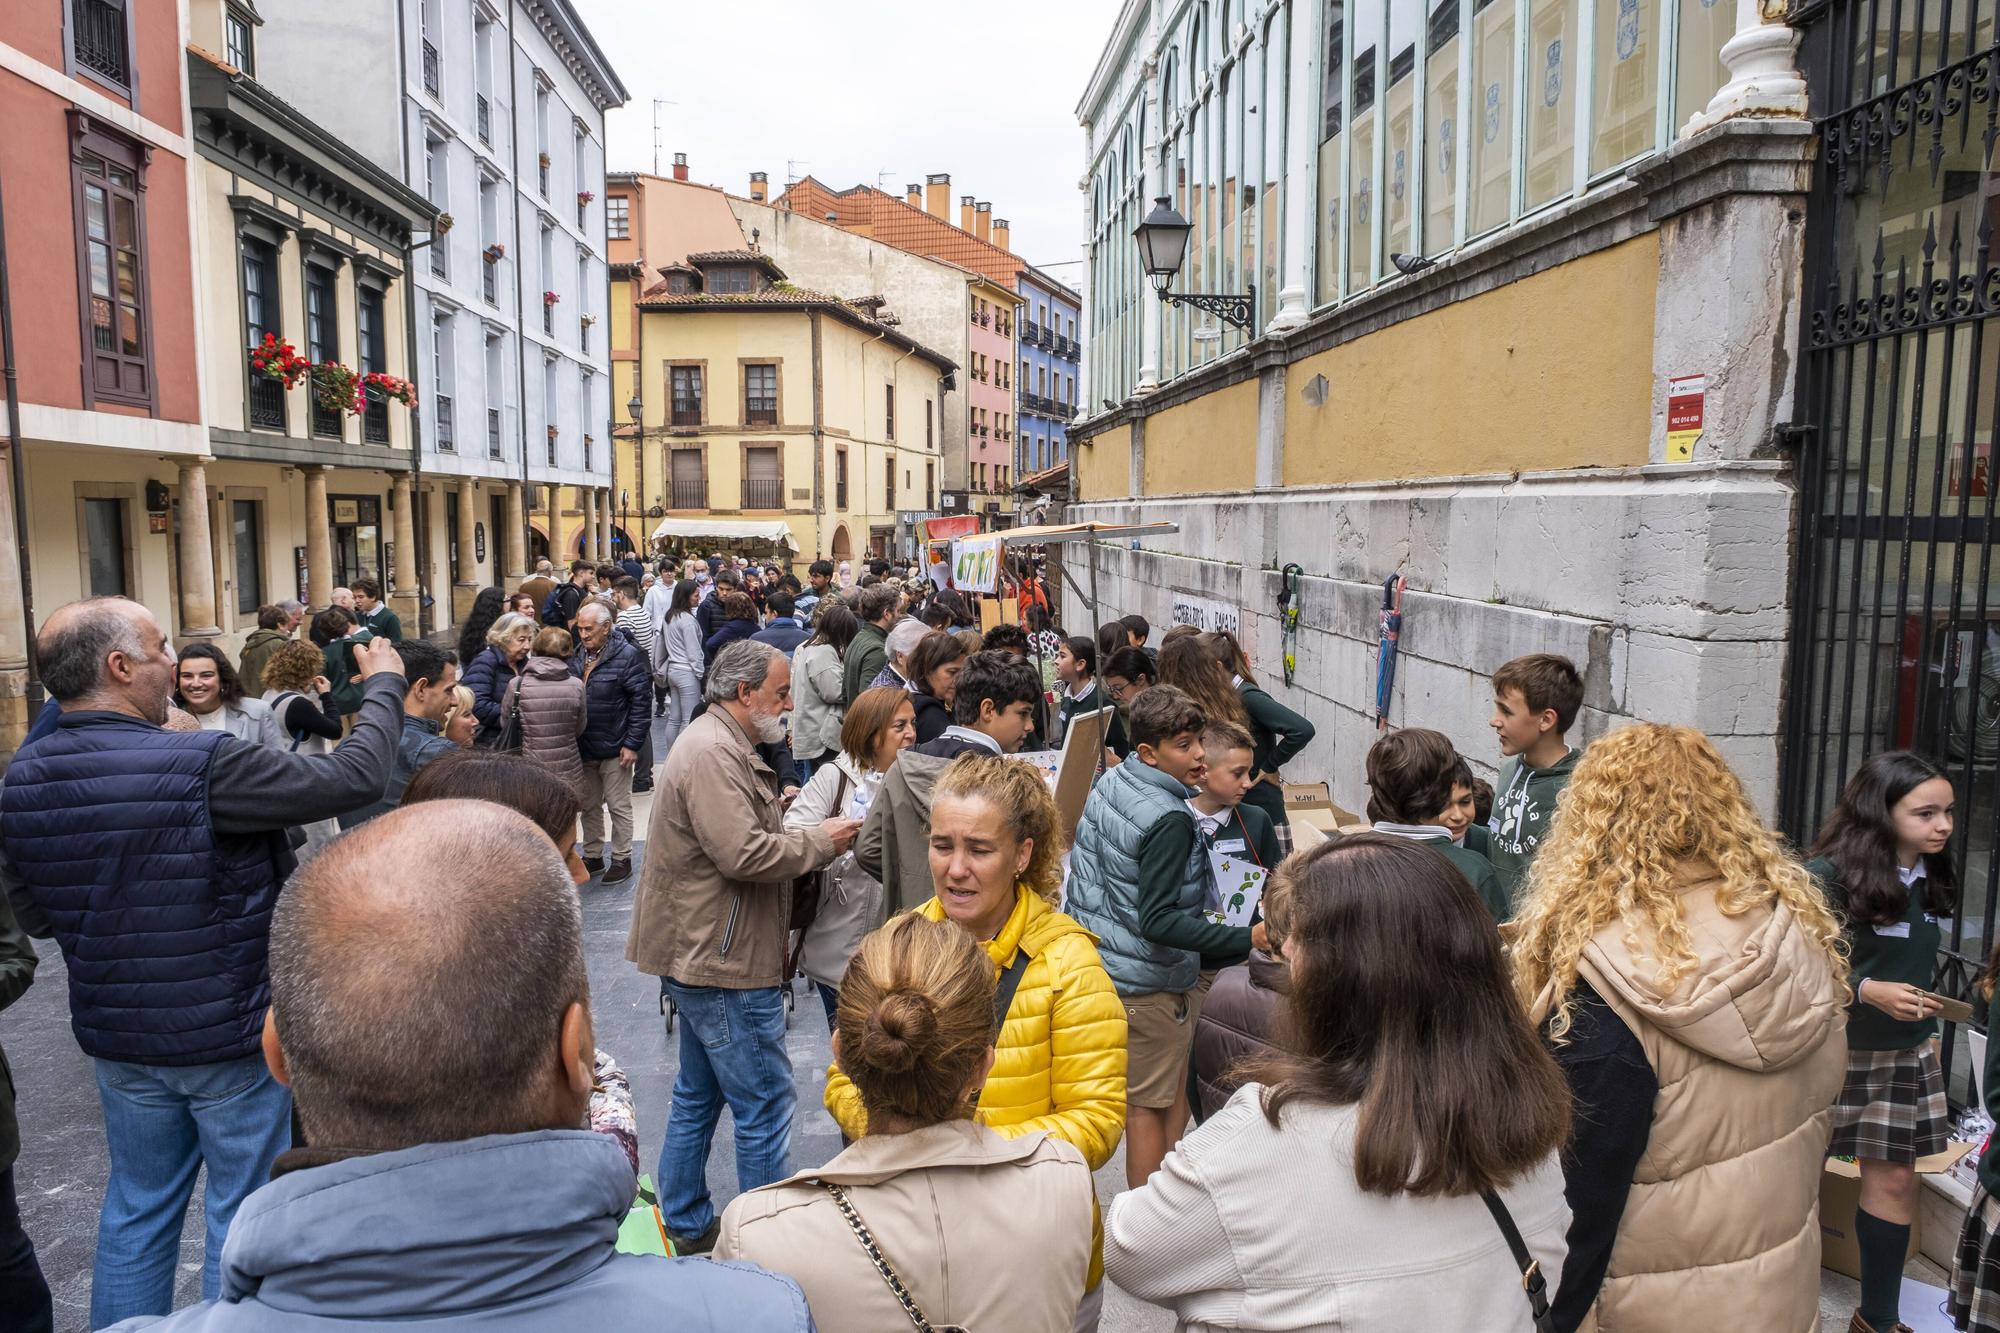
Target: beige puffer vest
[{"x": 1721, "y": 1229}]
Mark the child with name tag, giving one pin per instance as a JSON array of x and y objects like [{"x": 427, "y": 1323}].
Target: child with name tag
[
  {"x": 1242, "y": 845},
  {"x": 1882, "y": 860}
]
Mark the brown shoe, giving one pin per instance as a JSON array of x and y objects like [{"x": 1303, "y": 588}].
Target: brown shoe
[{"x": 1860, "y": 1325}]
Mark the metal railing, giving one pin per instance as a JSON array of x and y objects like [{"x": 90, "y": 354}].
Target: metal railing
[
  {"x": 690, "y": 494},
  {"x": 267, "y": 403},
  {"x": 1030, "y": 330},
  {"x": 483, "y": 118},
  {"x": 489, "y": 282},
  {"x": 430, "y": 68},
  {"x": 764, "y": 493},
  {"x": 375, "y": 424},
  {"x": 493, "y": 432},
  {"x": 325, "y": 422},
  {"x": 439, "y": 267},
  {"x": 548, "y": 319},
  {"x": 544, "y": 178},
  {"x": 441, "y": 414},
  {"x": 97, "y": 31}
]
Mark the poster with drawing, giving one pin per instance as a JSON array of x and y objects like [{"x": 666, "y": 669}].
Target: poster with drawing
[
  {"x": 1239, "y": 887},
  {"x": 975, "y": 563}
]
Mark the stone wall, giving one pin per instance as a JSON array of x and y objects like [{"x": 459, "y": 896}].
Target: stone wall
[{"x": 1666, "y": 585}]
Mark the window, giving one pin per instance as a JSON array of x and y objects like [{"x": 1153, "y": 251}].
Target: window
[
  {"x": 763, "y": 478},
  {"x": 889, "y": 418},
  {"x": 1625, "y": 82},
  {"x": 100, "y": 40},
  {"x": 840, "y": 479},
  {"x": 930, "y": 438},
  {"x": 760, "y": 395},
  {"x": 110, "y": 245},
  {"x": 618, "y": 217},
  {"x": 690, "y": 479},
  {"x": 322, "y": 341},
  {"x": 1069, "y": 390},
  {"x": 684, "y": 385},
  {"x": 930, "y": 485},
  {"x": 237, "y": 48},
  {"x": 104, "y": 539},
  {"x": 889, "y": 484},
  {"x": 247, "y": 541},
  {"x": 549, "y": 422},
  {"x": 496, "y": 391},
  {"x": 260, "y": 316},
  {"x": 542, "y": 136},
  {"x": 428, "y": 24},
  {"x": 583, "y": 315},
  {"x": 441, "y": 373},
  {"x": 437, "y": 189},
  {"x": 730, "y": 278}
]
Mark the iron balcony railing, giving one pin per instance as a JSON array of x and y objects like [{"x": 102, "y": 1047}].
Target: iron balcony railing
[
  {"x": 267, "y": 403},
  {"x": 544, "y": 179},
  {"x": 97, "y": 28},
  {"x": 484, "y": 118},
  {"x": 493, "y": 432},
  {"x": 325, "y": 423},
  {"x": 690, "y": 494},
  {"x": 375, "y": 424},
  {"x": 430, "y": 68},
  {"x": 441, "y": 413},
  {"x": 548, "y": 319},
  {"x": 489, "y": 282},
  {"x": 439, "y": 268},
  {"x": 765, "y": 493},
  {"x": 1030, "y": 330}
]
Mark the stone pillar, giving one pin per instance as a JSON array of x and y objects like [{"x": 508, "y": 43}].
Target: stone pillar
[
  {"x": 1152, "y": 313},
  {"x": 1294, "y": 275},
  {"x": 319, "y": 540},
  {"x": 14, "y": 627},
  {"x": 405, "y": 592},
  {"x": 586, "y": 503},
  {"x": 197, "y": 569},
  {"x": 1764, "y": 78},
  {"x": 517, "y": 537},
  {"x": 467, "y": 585},
  {"x": 604, "y": 523}
]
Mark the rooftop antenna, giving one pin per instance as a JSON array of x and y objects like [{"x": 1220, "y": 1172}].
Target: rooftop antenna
[
  {"x": 658, "y": 102},
  {"x": 792, "y": 172},
  {"x": 882, "y": 179}
]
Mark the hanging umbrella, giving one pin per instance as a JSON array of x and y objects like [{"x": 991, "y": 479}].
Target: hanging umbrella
[
  {"x": 1392, "y": 630},
  {"x": 1288, "y": 604}
]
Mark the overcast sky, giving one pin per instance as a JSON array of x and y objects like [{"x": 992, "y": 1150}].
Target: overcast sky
[{"x": 867, "y": 92}]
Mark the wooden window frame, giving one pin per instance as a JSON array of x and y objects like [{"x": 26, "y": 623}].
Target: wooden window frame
[
  {"x": 743, "y": 365},
  {"x": 701, "y": 453},
  {"x": 743, "y": 448},
  {"x": 92, "y": 138},
  {"x": 701, "y": 400},
  {"x": 127, "y": 494},
  {"x": 843, "y": 478},
  {"x": 889, "y": 411}
]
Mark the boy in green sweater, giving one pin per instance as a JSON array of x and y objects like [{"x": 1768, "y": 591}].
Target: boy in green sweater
[
  {"x": 1138, "y": 879},
  {"x": 1410, "y": 782},
  {"x": 1535, "y": 700}
]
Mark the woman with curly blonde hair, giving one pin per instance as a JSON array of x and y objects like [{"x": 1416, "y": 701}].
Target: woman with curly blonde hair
[
  {"x": 1059, "y": 1061},
  {"x": 1692, "y": 983}
]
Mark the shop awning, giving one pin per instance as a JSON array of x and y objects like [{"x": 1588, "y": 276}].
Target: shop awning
[{"x": 723, "y": 529}]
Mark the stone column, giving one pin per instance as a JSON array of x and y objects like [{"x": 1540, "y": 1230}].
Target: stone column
[
  {"x": 604, "y": 523},
  {"x": 1302, "y": 74},
  {"x": 197, "y": 554},
  {"x": 586, "y": 503},
  {"x": 1152, "y": 313},
  {"x": 405, "y": 594},
  {"x": 319, "y": 540},
  {"x": 14, "y": 627},
  {"x": 517, "y": 537},
  {"x": 1764, "y": 78},
  {"x": 467, "y": 585}
]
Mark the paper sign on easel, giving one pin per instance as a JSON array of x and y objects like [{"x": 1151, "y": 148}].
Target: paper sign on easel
[{"x": 1687, "y": 399}]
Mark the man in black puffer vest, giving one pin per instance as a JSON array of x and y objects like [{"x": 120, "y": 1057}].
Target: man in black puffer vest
[{"x": 155, "y": 858}]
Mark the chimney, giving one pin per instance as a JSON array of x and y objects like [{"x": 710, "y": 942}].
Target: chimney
[
  {"x": 966, "y": 207},
  {"x": 937, "y": 193},
  {"x": 680, "y": 166},
  {"x": 913, "y": 195},
  {"x": 1000, "y": 230},
  {"x": 760, "y": 186},
  {"x": 982, "y": 219}
]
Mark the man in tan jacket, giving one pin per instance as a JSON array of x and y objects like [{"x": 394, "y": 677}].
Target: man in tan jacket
[{"x": 710, "y": 919}]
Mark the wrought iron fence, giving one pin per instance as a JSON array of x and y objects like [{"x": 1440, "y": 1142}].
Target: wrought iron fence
[
  {"x": 441, "y": 416},
  {"x": 267, "y": 403},
  {"x": 763, "y": 493},
  {"x": 97, "y": 31}
]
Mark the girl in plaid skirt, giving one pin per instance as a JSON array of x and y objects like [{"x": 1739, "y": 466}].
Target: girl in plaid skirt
[
  {"x": 1975, "y": 1269},
  {"x": 1882, "y": 860}
]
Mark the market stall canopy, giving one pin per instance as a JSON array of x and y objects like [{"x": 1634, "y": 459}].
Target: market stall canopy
[{"x": 723, "y": 529}]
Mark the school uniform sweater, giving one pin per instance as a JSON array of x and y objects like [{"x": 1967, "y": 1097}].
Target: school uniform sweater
[{"x": 1902, "y": 950}]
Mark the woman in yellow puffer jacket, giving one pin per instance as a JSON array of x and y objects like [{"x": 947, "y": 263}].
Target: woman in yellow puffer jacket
[{"x": 1059, "y": 1062}]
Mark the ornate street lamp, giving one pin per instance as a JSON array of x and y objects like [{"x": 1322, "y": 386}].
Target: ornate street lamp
[{"x": 1163, "y": 240}]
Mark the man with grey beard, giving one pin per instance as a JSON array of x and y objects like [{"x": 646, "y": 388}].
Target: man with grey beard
[{"x": 710, "y": 918}]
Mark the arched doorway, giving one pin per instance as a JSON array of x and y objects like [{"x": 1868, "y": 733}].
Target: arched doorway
[
  {"x": 622, "y": 543},
  {"x": 538, "y": 544},
  {"x": 843, "y": 547}
]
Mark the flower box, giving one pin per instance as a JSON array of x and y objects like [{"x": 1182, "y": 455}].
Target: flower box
[{"x": 279, "y": 361}]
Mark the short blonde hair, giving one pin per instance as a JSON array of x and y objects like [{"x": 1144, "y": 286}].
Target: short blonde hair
[
  {"x": 505, "y": 628},
  {"x": 461, "y": 702}
]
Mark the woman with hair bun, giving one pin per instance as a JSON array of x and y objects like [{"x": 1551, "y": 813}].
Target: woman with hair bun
[
  {"x": 1059, "y": 1063},
  {"x": 927, "y": 1196}
]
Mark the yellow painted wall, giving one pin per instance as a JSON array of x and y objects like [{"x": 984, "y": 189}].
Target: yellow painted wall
[
  {"x": 621, "y": 316},
  {"x": 1553, "y": 371},
  {"x": 1103, "y": 466},
  {"x": 1209, "y": 444}
]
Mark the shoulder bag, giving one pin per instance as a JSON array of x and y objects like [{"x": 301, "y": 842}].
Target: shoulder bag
[
  {"x": 509, "y": 739},
  {"x": 1532, "y": 1281},
  {"x": 809, "y": 888},
  {"x": 875, "y": 1256}
]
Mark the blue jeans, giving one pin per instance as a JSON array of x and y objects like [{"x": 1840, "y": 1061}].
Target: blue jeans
[
  {"x": 733, "y": 1050},
  {"x": 161, "y": 1122}
]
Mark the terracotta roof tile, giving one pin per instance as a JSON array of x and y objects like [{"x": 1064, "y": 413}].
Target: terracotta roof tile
[{"x": 891, "y": 220}]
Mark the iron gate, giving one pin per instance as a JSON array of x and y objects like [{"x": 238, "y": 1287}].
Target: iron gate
[{"x": 1897, "y": 619}]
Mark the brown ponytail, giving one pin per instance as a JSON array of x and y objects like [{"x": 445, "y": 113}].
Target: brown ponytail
[{"x": 915, "y": 1019}]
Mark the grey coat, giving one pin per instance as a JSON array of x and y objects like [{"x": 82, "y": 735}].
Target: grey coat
[
  {"x": 553, "y": 715},
  {"x": 514, "y": 1233}
]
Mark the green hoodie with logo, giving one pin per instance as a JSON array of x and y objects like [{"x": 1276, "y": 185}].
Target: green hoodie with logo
[{"x": 1524, "y": 806}]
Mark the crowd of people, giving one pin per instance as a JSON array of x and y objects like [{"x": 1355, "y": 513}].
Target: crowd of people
[{"x": 1562, "y": 1052}]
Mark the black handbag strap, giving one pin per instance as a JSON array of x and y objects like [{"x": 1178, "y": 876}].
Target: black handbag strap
[
  {"x": 876, "y": 1257},
  {"x": 1532, "y": 1280},
  {"x": 1009, "y": 981}
]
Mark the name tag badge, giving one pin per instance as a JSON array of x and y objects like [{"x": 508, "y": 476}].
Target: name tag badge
[
  {"x": 1232, "y": 845},
  {"x": 1900, "y": 930}
]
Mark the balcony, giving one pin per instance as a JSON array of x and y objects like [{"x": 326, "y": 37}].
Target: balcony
[
  {"x": 765, "y": 493},
  {"x": 493, "y": 432},
  {"x": 1045, "y": 339},
  {"x": 439, "y": 267},
  {"x": 375, "y": 424},
  {"x": 548, "y": 319},
  {"x": 489, "y": 281},
  {"x": 441, "y": 414},
  {"x": 97, "y": 28},
  {"x": 430, "y": 68},
  {"x": 544, "y": 178},
  {"x": 267, "y": 403},
  {"x": 484, "y": 118},
  {"x": 1030, "y": 330},
  {"x": 691, "y": 494}
]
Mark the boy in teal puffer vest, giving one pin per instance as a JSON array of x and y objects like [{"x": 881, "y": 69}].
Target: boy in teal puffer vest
[{"x": 1138, "y": 878}]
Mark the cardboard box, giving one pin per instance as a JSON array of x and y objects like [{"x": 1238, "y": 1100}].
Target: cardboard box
[{"x": 1840, "y": 1195}]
